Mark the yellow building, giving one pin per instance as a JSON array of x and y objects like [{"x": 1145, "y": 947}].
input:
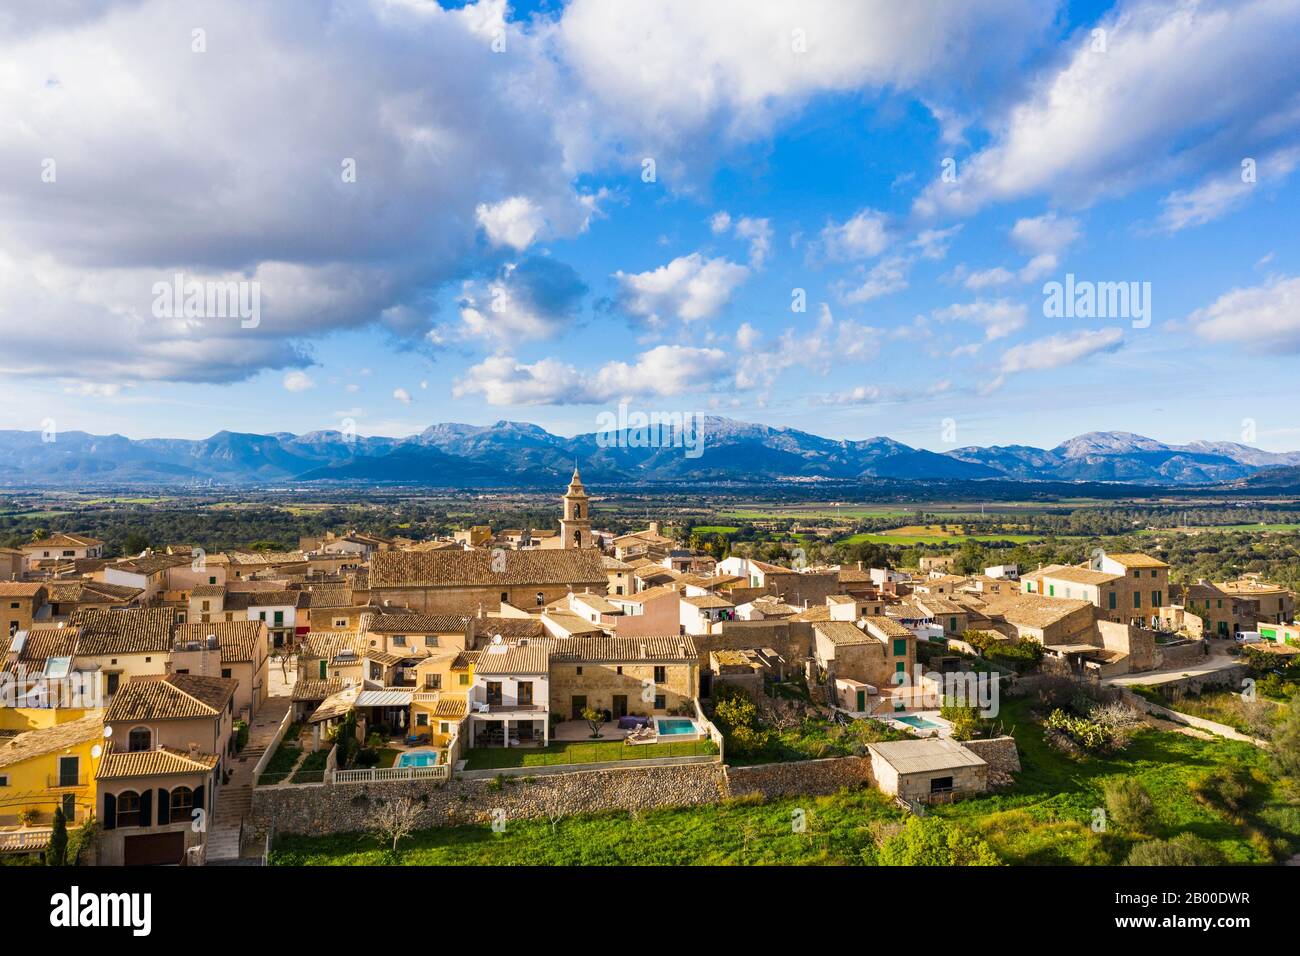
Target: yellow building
[
  {"x": 439, "y": 702},
  {"x": 43, "y": 769}
]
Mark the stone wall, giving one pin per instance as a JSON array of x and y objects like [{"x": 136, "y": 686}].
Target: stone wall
[
  {"x": 321, "y": 809},
  {"x": 1168, "y": 656},
  {"x": 1000, "y": 753},
  {"x": 801, "y": 777}
]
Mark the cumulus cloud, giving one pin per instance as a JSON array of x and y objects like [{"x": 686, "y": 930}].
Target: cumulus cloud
[
  {"x": 298, "y": 382},
  {"x": 676, "y": 78},
  {"x": 1058, "y": 350},
  {"x": 533, "y": 299},
  {"x": 335, "y": 154},
  {"x": 513, "y": 222},
  {"x": 689, "y": 288},
  {"x": 1265, "y": 318},
  {"x": 862, "y": 236},
  {"x": 886, "y": 277},
  {"x": 402, "y": 395},
  {"x": 1109, "y": 119},
  {"x": 998, "y": 317},
  {"x": 663, "y": 371}
]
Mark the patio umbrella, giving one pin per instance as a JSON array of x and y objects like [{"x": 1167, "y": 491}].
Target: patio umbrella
[{"x": 401, "y": 719}]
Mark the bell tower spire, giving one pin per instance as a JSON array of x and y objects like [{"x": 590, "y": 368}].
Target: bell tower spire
[{"x": 575, "y": 523}]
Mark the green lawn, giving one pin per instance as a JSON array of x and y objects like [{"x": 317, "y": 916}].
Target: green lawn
[
  {"x": 715, "y": 529},
  {"x": 312, "y": 768},
  {"x": 1042, "y": 819},
  {"x": 495, "y": 758},
  {"x": 910, "y": 539}
]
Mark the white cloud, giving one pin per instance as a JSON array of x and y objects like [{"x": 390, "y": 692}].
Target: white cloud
[
  {"x": 298, "y": 382},
  {"x": 988, "y": 277},
  {"x": 1107, "y": 121},
  {"x": 666, "y": 370},
  {"x": 863, "y": 236},
  {"x": 886, "y": 277},
  {"x": 533, "y": 299},
  {"x": 999, "y": 317},
  {"x": 1058, "y": 350},
  {"x": 1218, "y": 195},
  {"x": 513, "y": 222},
  {"x": 758, "y": 233},
  {"x": 671, "y": 79},
  {"x": 720, "y": 222},
  {"x": 402, "y": 395},
  {"x": 689, "y": 288},
  {"x": 1265, "y": 318}
]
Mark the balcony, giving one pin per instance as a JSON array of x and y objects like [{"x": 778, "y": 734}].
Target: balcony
[{"x": 66, "y": 781}]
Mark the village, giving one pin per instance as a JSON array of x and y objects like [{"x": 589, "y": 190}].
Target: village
[{"x": 180, "y": 707}]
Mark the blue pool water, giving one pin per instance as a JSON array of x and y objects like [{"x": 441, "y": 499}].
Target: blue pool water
[
  {"x": 417, "y": 758},
  {"x": 920, "y": 723},
  {"x": 670, "y": 726}
]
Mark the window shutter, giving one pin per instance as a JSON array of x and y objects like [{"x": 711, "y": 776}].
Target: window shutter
[
  {"x": 110, "y": 812},
  {"x": 146, "y": 808},
  {"x": 198, "y": 797},
  {"x": 164, "y": 807}
]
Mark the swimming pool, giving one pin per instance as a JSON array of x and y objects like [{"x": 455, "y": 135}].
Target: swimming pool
[
  {"x": 675, "y": 726},
  {"x": 920, "y": 723},
  {"x": 417, "y": 758}
]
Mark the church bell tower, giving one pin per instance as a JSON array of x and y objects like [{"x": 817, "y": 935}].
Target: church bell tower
[{"x": 575, "y": 525}]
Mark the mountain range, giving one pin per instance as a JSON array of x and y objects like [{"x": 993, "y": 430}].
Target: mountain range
[{"x": 517, "y": 454}]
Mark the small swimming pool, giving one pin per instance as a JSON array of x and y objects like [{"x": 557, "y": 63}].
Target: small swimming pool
[
  {"x": 417, "y": 758},
  {"x": 920, "y": 723},
  {"x": 674, "y": 726}
]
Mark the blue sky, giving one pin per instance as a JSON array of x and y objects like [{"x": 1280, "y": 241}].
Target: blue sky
[{"x": 793, "y": 151}]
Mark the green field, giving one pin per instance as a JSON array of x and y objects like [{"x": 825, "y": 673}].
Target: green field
[
  {"x": 911, "y": 539},
  {"x": 495, "y": 758},
  {"x": 1044, "y": 818}
]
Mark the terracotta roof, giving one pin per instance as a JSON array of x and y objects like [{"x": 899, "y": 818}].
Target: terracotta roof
[
  {"x": 510, "y": 628},
  {"x": 152, "y": 763},
  {"x": 62, "y": 540},
  {"x": 667, "y": 649},
  {"x": 470, "y": 568},
  {"x": 464, "y": 660},
  {"x": 887, "y": 626},
  {"x": 1074, "y": 575},
  {"x": 1135, "y": 560},
  {"x": 328, "y": 597},
  {"x": 418, "y": 624},
  {"x": 843, "y": 633},
  {"x": 240, "y": 641},
  {"x": 174, "y": 697},
  {"x": 316, "y": 689},
  {"x": 208, "y": 591},
  {"x": 20, "y": 588},
  {"x": 43, "y": 641},
  {"x": 134, "y": 631},
  {"x": 90, "y": 592},
  {"x": 530, "y": 658},
  {"x": 329, "y": 644},
  {"x": 449, "y": 707},
  {"x": 813, "y": 614},
  {"x": 150, "y": 563},
  {"x": 1031, "y": 610},
  {"x": 37, "y": 743}
]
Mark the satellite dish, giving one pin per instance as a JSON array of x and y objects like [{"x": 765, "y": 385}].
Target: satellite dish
[{"x": 496, "y": 638}]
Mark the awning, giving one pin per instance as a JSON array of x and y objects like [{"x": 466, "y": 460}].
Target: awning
[{"x": 384, "y": 698}]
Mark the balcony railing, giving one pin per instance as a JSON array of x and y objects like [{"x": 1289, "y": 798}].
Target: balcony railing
[
  {"x": 33, "y": 838},
  {"x": 65, "y": 781}
]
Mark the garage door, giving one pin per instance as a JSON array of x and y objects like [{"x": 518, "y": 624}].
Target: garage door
[{"x": 155, "y": 849}]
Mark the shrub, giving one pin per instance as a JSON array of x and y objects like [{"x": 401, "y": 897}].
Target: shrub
[
  {"x": 1129, "y": 804},
  {"x": 1227, "y": 790},
  {"x": 1186, "y": 849},
  {"x": 930, "y": 841},
  {"x": 1088, "y": 734},
  {"x": 367, "y": 758}
]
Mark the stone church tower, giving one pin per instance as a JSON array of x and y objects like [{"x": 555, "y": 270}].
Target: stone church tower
[{"x": 575, "y": 525}]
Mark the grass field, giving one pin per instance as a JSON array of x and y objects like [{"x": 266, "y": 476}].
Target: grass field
[
  {"x": 495, "y": 758},
  {"x": 889, "y": 537},
  {"x": 1044, "y": 818}
]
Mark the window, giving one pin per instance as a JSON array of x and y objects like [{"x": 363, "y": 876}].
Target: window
[
  {"x": 111, "y": 682},
  {"x": 431, "y": 640},
  {"x": 139, "y": 739},
  {"x": 128, "y": 809},
  {"x": 661, "y": 674},
  {"x": 444, "y": 728},
  {"x": 578, "y": 670},
  {"x": 1137, "y": 598},
  {"x": 900, "y": 646},
  {"x": 661, "y": 702},
  {"x": 1155, "y": 599},
  {"x": 464, "y": 680},
  {"x": 340, "y": 622},
  {"x": 206, "y": 606},
  {"x": 4, "y": 780},
  {"x": 952, "y": 624},
  {"x": 225, "y": 672},
  {"x": 525, "y": 693},
  {"x": 1112, "y": 598},
  {"x": 182, "y": 802},
  {"x": 1137, "y": 574},
  {"x": 619, "y": 670},
  {"x": 422, "y": 720},
  {"x": 399, "y": 640},
  {"x": 433, "y": 682},
  {"x": 541, "y": 598},
  {"x": 494, "y": 692},
  {"x": 941, "y": 784},
  {"x": 212, "y": 579}
]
